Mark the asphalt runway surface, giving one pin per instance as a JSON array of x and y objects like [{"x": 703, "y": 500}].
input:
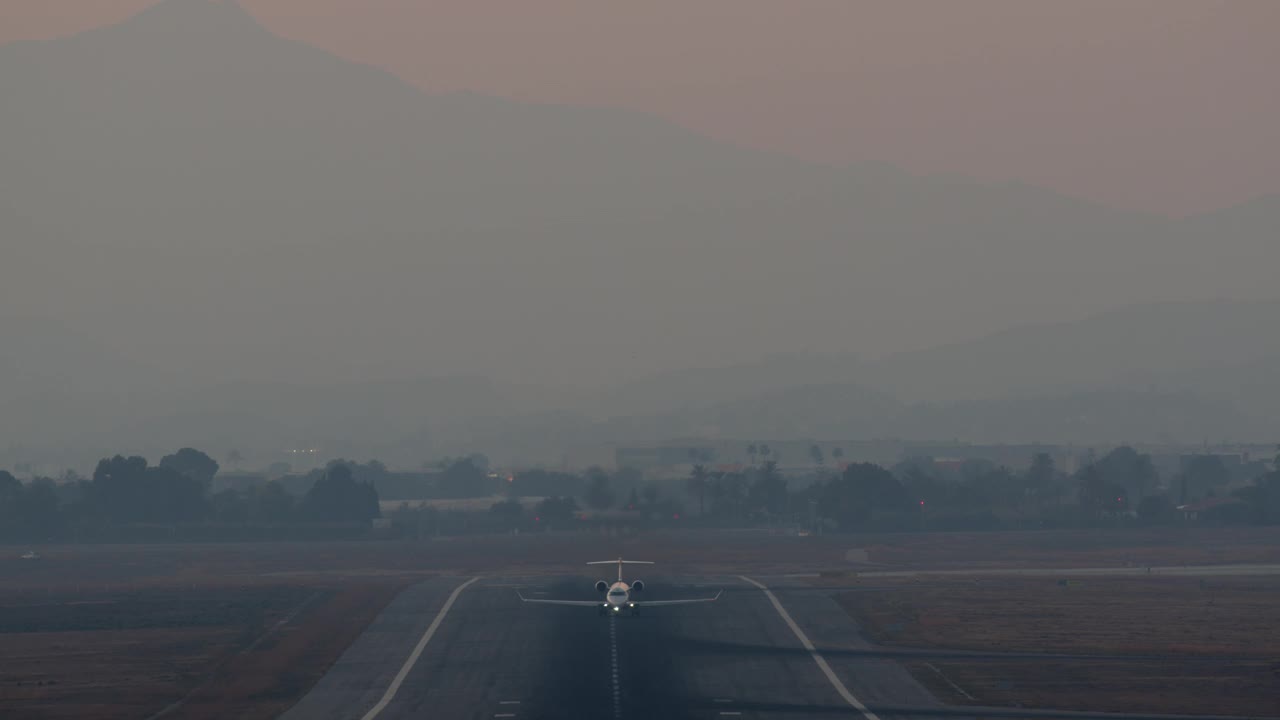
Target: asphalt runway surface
[{"x": 491, "y": 656}]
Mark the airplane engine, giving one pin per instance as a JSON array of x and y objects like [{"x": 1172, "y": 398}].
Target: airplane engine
[
  {"x": 602, "y": 586},
  {"x": 638, "y": 585}
]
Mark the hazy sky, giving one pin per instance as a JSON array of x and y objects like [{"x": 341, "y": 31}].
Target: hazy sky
[{"x": 1163, "y": 105}]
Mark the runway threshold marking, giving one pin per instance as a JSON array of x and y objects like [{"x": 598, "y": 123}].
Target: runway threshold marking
[
  {"x": 390, "y": 694},
  {"x": 817, "y": 657}
]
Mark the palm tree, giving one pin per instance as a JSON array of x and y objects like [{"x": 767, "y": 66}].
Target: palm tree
[
  {"x": 751, "y": 451},
  {"x": 697, "y": 485},
  {"x": 815, "y": 452}
]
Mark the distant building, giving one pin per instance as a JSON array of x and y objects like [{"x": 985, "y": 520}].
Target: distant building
[
  {"x": 663, "y": 456},
  {"x": 1194, "y": 511}
]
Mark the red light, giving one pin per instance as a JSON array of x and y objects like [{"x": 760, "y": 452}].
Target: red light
[
  {"x": 922, "y": 502},
  {"x": 676, "y": 516},
  {"x": 537, "y": 519}
]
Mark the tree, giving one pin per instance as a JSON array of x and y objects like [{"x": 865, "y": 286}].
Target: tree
[
  {"x": 769, "y": 491},
  {"x": 599, "y": 494},
  {"x": 507, "y": 513},
  {"x": 752, "y": 450},
  {"x": 271, "y": 503},
  {"x": 1098, "y": 494},
  {"x": 837, "y": 453},
  {"x": 1125, "y": 467},
  {"x": 462, "y": 479},
  {"x": 697, "y": 485},
  {"x": 650, "y": 494},
  {"x": 728, "y": 492},
  {"x": 11, "y": 496},
  {"x": 29, "y": 508},
  {"x": 234, "y": 458},
  {"x": 10, "y": 486},
  {"x": 815, "y": 454},
  {"x": 861, "y": 491},
  {"x": 557, "y": 510},
  {"x": 1201, "y": 474},
  {"x": 995, "y": 487},
  {"x": 337, "y": 496},
  {"x": 127, "y": 490},
  {"x": 1041, "y": 473},
  {"x": 230, "y": 506},
  {"x": 192, "y": 463},
  {"x": 1154, "y": 509},
  {"x": 545, "y": 483},
  {"x": 1262, "y": 498}
]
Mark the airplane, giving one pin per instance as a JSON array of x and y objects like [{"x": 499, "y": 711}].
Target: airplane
[{"x": 618, "y": 594}]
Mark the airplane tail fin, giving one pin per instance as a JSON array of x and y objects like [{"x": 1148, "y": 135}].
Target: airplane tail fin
[{"x": 620, "y": 563}]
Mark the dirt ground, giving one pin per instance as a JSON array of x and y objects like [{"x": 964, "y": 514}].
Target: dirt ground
[
  {"x": 1077, "y": 548},
  {"x": 244, "y": 629},
  {"x": 1158, "y": 644},
  {"x": 245, "y": 652}
]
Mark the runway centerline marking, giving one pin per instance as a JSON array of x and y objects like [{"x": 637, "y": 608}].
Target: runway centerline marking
[
  {"x": 613, "y": 649},
  {"x": 390, "y": 694},
  {"x": 817, "y": 657}
]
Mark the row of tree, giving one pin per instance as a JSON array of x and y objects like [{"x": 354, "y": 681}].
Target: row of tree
[
  {"x": 919, "y": 493},
  {"x": 128, "y": 491}
]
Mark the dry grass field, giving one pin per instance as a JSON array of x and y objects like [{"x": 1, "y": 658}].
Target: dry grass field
[
  {"x": 1076, "y": 548},
  {"x": 245, "y": 652},
  {"x": 244, "y": 629},
  {"x": 1145, "y": 644}
]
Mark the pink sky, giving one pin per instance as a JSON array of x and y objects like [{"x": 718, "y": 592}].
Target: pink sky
[{"x": 1171, "y": 106}]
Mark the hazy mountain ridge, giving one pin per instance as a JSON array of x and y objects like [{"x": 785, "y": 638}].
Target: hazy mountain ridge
[
  {"x": 235, "y": 171},
  {"x": 199, "y": 202},
  {"x": 1151, "y": 388},
  {"x": 1130, "y": 346}
]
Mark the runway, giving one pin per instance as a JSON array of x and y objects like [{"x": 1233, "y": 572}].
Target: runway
[{"x": 491, "y": 656}]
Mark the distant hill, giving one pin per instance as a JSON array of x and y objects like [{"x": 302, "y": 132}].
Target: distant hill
[
  {"x": 1162, "y": 345},
  {"x": 207, "y": 196},
  {"x": 211, "y": 231}
]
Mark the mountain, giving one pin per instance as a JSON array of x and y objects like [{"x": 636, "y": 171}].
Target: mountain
[
  {"x": 213, "y": 232},
  {"x": 209, "y": 197},
  {"x": 1151, "y": 345}
]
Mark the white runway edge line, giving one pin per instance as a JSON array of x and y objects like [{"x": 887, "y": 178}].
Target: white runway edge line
[
  {"x": 822, "y": 663},
  {"x": 390, "y": 694}
]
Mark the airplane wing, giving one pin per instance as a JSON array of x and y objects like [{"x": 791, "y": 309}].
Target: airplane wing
[
  {"x": 576, "y": 603},
  {"x": 658, "y": 603}
]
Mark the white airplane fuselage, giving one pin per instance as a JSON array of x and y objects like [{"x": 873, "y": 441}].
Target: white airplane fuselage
[{"x": 619, "y": 596}]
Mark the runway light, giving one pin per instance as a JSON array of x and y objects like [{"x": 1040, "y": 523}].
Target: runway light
[{"x": 616, "y": 608}]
